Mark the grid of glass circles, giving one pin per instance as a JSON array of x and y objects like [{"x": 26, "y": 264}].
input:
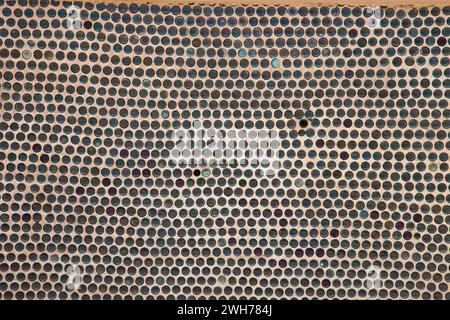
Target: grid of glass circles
[{"x": 86, "y": 179}]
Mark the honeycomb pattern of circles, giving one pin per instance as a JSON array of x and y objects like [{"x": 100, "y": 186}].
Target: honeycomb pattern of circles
[{"x": 92, "y": 207}]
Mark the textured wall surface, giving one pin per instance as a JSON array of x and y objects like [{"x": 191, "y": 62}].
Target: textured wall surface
[{"x": 95, "y": 203}]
